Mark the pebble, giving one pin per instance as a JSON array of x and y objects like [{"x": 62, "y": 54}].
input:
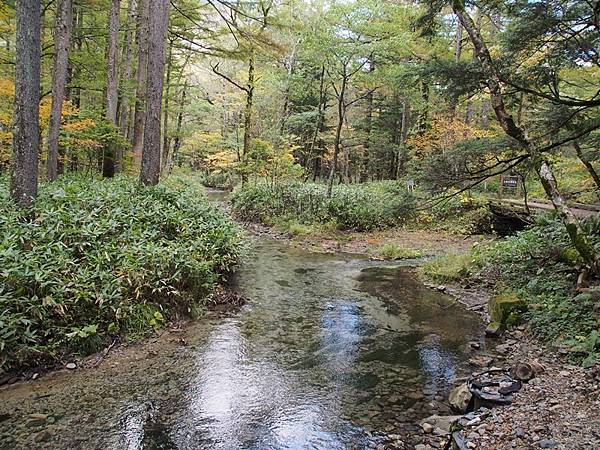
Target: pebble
[
  {"x": 427, "y": 427},
  {"x": 42, "y": 436},
  {"x": 547, "y": 443},
  {"x": 37, "y": 419},
  {"x": 71, "y": 366}
]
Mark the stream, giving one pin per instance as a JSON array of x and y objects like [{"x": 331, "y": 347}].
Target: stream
[{"x": 331, "y": 352}]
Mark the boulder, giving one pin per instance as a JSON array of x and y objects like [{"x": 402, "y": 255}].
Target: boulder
[
  {"x": 427, "y": 427},
  {"x": 506, "y": 309},
  {"x": 459, "y": 398},
  {"x": 522, "y": 371},
  {"x": 494, "y": 329}
]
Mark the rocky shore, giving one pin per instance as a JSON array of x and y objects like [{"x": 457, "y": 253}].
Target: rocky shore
[{"x": 559, "y": 407}]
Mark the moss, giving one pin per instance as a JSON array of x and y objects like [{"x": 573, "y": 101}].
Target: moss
[
  {"x": 506, "y": 308},
  {"x": 570, "y": 256}
]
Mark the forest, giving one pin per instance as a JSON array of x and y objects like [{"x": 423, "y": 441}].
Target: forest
[{"x": 334, "y": 223}]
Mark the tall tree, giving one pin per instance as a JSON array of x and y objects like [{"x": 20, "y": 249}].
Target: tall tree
[
  {"x": 158, "y": 23},
  {"x": 24, "y": 170},
  {"x": 139, "y": 117},
  {"x": 108, "y": 160},
  {"x": 126, "y": 75},
  {"x": 62, "y": 40}
]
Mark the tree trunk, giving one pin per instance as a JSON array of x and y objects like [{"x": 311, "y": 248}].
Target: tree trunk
[
  {"x": 26, "y": 137},
  {"x": 62, "y": 38},
  {"x": 177, "y": 140},
  {"x": 126, "y": 75},
  {"x": 457, "y": 54},
  {"x": 319, "y": 123},
  {"x": 368, "y": 128},
  {"x": 338, "y": 132},
  {"x": 108, "y": 158},
  {"x": 588, "y": 165},
  {"x": 400, "y": 169},
  {"x": 77, "y": 40},
  {"x": 424, "y": 113},
  {"x": 286, "y": 94},
  {"x": 159, "y": 19},
  {"x": 542, "y": 167},
  {"x": 166, "y": 144},
  {"x": 139, "y": 115},
  {"x": 248, "y": 113}
]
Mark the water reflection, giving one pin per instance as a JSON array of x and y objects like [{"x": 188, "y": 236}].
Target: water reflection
[{"x": 340, "y": 336}]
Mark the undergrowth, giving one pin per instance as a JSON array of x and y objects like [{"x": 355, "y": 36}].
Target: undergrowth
[
  {"x": 351, "y": 207},
  {"x": 540, "y": 266},
  {"x": 97, "y": 258}
]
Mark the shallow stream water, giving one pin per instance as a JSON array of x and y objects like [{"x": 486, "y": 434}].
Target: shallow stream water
[{"x": 332, "y": 352}]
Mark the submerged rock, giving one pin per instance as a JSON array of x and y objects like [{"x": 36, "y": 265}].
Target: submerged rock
[
  {"x": 442, "y": 422},
  {"x": 37, "y": 419}
]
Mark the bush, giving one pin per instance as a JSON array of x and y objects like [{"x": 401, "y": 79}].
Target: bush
[
  {"x": 460, "y": 214},
  {"x": 358, "y": 207},
  {"x": 102, "y": 257},
  {"x": 220, "y": 180}
]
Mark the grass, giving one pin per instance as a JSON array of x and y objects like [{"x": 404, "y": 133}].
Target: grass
[
  {"x": 449, "y": 268},
  {"x": 393, "y": 251}
]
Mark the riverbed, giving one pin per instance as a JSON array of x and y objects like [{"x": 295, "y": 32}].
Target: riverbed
[{"x": 332, "y": 351}]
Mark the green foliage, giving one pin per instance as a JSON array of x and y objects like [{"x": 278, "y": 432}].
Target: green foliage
[
  {"x": 395, "y": 251},
  {"x": 460, "y": 214},
  {"x": 99, "y": 257},
  {"x": 357, "y": 207},
  {"x": 220, "y": 180},
  {"x": 534, "y": 274}
]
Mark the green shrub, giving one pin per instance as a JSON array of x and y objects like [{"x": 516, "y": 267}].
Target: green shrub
[
  {"x": 101, "y": 257},
  {"x": 358, "y": 207},
  {"x": 540, "y": 266},
  {"x": 220, "y": 180}
]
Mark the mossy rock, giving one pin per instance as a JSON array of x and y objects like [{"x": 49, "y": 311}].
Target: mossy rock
[
  {"x": 506, "y": 308},
  {"x": 570, "y": 256}
]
